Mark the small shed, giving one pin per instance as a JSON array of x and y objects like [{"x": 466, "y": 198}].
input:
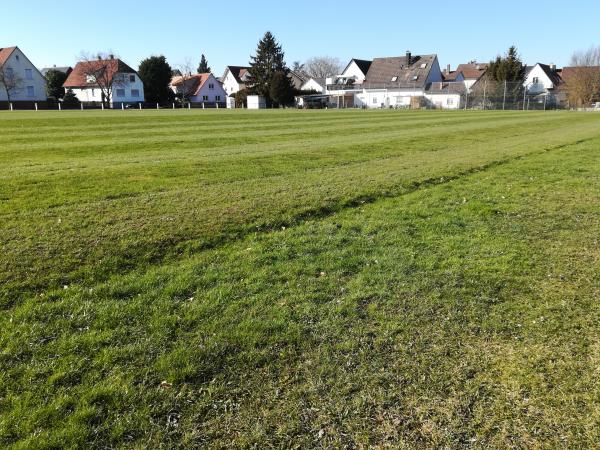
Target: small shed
[{"x": 256, "y": 102}]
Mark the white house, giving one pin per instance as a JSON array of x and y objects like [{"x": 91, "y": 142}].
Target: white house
[
  {"x": 200, "y": 88},
  {"x": 446, "y": 95},
  {"x": 315, "y": 84},
  {"x": 234, "y": 79},
  {"x": 92, "y": 81},
  {"x": 541, "y": 79},
  {"x": 23, "y": 82},
  {"x": 397, "y": 82}
]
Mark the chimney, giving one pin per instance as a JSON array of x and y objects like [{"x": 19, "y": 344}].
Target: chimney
[
  {"x": 448, "y": 68},
  {"x": 111, "y": 56},
  {"x": 553, "y": 67},
  {"x": 408, "y": 57}
]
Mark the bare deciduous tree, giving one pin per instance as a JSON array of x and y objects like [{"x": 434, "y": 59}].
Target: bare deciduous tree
[
  {"x": 322, "y": 66},
  {"x": 11, "y": 82},
  {"x": 583, "y": 78},
  {"x": 103, "y": 72},
  {"x": 183, "y": 83}
]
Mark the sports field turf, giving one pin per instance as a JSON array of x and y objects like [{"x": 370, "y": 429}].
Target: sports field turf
[{"x": 299, "y": 279}]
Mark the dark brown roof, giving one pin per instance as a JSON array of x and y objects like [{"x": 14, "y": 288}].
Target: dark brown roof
[
  {"x": 78, "y": 77},
  {"x": 5, "y": 54},
  {"x": 472, "y": 70},
  {"x": 450, "y": 76},
  {"x": 395, "y": 71}
]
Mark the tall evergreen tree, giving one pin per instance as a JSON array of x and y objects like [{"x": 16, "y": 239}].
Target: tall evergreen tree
[
  {"x": 203, "y": 67},
  {"x": 54, "y": 84},
  {"x": 281, "y": 90},
  {"x": 269, "y": 60},
  {"x": 156, "y": 72},
  {"x": 508, "y": 68}
]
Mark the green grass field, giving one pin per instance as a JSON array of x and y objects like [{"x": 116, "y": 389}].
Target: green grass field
[{"x": 299, "y": 279}]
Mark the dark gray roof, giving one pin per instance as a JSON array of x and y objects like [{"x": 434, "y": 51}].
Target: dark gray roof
[
  {"x": 65, "y": 69},
  {"x": 396, "y": 72},
  {"x": 455, "y": 87},
  {"x": 552, "y": 74},
  {"x": 363, "y": 65}
]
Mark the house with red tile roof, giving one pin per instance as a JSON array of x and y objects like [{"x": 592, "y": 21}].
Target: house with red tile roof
[
  {"x": 199, "y": 88},
  {"x": 106, "y": 81},
  {"x": 20, "y": 80}
]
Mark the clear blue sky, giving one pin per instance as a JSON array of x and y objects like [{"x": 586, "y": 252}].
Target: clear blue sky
[{"x": 56, "y": 32}]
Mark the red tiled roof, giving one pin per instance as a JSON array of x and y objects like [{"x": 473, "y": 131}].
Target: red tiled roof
[
  {"x": 195, "y": 82},
  {"x": 5, "y": 53},
  {"x": 569, "y": 72},
  {"x": 78, "y": 77}
]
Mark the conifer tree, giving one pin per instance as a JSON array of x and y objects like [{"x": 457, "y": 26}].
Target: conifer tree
[
  {"x": 268, "y": 61},
  {"x": 508, "y": 68},
  {"x": 203, "y": 67}
]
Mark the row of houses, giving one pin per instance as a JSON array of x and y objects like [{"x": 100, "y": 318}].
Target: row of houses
[{"x": 388, "y": 82}]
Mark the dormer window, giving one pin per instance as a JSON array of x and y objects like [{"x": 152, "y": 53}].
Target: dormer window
[
  {"x": 423, "y": 66},
  {"x": 132, "y": 78},
  {"x": 394, "y": 78},
  {"x": 90, "y": 79},
  {"x": 415, "y": 78}
]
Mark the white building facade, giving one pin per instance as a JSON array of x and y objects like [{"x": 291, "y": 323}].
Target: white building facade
[{"x": 25, "y": 81}]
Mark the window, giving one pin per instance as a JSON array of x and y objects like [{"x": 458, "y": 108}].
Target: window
[
  {"x": 28, "y": 74},
  {"x": 450, "y": 102},
  {"x": 30, "y": 91},
  {"x": 132, "y": 78},
  {"x": 374, "y": 100},
  {"x": 218, "y": 98},
  {"x": 135, "y": 92},
  {"x": 536, "y": 80},
  {"x": 93, "y": 92},
  {"x": 211, "y": 86},
  {"x": 423, "y": 66},
  {"x": 394, "y": 78},
  {"x": 17, "y": 57},
  {"x": 90, "y": 79},
  {"x": 416, "y": 77},
  {"x": 120, "y": 92},
  {"x": 9, "y": 73},
  {"x": 205, "y": 98}
]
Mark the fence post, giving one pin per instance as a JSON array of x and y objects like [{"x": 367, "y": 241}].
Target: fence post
[
  {"x": 190, "y": 105},
  {"x": 217, "y": 105},
  {"x": 11, "y": 107},
  {"x": 36, "y": 106},
  {"x": 82, "y": 106},
  {"x": 504, "y": 98},
  {"x": 59, "y": 106},
  {"x": 102, "y": 106},
  {"x": 173, "y": 105},
  {"x": 545, "y": 98},
  {"x": 524, "y": 96},
  {"x": 122, "y": 106},
  {"x": 484, "y": 93},
  {"x": 157, "y": 107},
  {"x": 140, "y": 104},
  {"x": 202, "y": 105}
]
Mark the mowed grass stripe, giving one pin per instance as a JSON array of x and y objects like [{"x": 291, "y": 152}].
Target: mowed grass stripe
[
  {"x": 116, "y": 219},
  {"x": 458, "y": 315}
]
